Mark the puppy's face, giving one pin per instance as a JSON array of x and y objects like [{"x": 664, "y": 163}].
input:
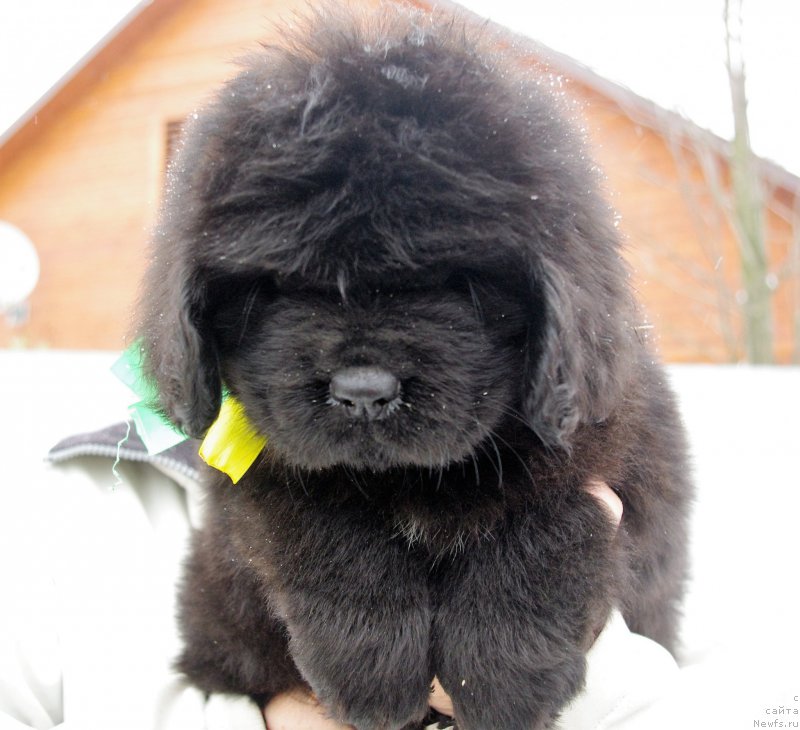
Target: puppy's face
[
  {"x": 406, "y": 370},
  {"x": 385, "y": 248}
]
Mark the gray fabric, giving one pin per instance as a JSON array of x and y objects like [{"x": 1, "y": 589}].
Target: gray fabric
[{"x": 120, "y": 440}]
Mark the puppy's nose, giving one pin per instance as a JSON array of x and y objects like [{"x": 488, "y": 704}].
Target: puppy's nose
[{"x": 366, "y": 391}]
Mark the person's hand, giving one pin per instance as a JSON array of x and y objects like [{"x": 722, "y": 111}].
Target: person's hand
[
  {"x": 607, "y": 497},
  {"x": 300, "y": 710},
  {"x": 440, "y": 700}
]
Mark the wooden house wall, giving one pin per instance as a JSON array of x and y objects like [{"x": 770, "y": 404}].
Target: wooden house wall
[
  {"x": 87, "y": 187},
  {"x": 671, "y": 191},
  {"x": 86, "y": 191}
]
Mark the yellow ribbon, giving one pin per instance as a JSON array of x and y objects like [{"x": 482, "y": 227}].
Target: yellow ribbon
[{"x": 232, "y": 443}]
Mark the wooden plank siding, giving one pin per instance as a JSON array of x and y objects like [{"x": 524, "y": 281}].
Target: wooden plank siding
[
  {"x": 85, "y": 184},
  {"x": 678, "y": 238}
]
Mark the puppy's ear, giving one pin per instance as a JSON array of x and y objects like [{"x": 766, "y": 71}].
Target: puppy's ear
[
  {"x": 580, "y": 354},
  {"x": 179, "y": 354}
]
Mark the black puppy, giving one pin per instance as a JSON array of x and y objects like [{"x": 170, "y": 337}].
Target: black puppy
[{"x": 384, "y": 241}]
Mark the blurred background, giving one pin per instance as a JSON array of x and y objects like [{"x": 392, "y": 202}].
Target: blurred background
[{"x": 688, "y": 108}]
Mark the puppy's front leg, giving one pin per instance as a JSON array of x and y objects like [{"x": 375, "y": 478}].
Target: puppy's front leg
[
  {"x": 516, "y": 613},
  {"x": 358, "y": 612}
]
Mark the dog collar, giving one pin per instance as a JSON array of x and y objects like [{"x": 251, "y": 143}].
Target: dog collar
[{"x": 231, "y": 444}]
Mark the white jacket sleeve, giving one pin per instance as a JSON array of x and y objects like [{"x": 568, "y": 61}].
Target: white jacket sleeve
[{"x": 87, "y": 634}]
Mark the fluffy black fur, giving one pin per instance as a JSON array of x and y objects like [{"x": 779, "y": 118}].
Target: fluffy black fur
[{"x": 388, "y": 193}]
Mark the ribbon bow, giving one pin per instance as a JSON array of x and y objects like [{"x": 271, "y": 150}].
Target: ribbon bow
[{"x": 231, "y": 444}]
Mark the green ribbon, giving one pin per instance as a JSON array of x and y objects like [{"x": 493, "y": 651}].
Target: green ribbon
[{"x": 155, "y": 430}]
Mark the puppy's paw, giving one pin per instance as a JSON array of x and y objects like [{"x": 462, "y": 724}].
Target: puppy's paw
[
  {"x": 380, "y": 707},
  {"x": 366, "y": 681},
  {"x": 524, "y": 692}
]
